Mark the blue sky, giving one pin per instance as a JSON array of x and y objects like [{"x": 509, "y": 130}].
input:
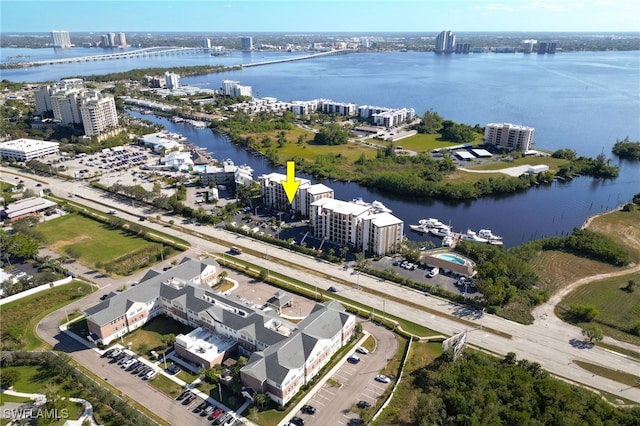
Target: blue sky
[{"x": 314, "y": 16}]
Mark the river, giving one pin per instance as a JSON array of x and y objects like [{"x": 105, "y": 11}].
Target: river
[{"x": 582, "y": 100}]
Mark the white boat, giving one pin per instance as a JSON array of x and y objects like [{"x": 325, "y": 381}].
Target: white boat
[
  {"x": 472, "y": 236},
  {"x": 431, "y": 223},
  {"x": 492, "y": 239},
  {"x": 419, "y": 228},
  {"x": 447, "y": 241},
  {"x": 444, "y": 231}
]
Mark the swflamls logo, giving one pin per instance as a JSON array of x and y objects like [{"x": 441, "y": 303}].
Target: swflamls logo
[{"x": 35, "y": 413}]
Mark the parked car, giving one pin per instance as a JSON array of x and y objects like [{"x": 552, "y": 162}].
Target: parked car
[
  {"x": 107, "y": 353},
  {"x": 150, "y": 375},
  {"x": 114, "y": 353},
  {"x": 173, "y": 369},
  {"x": 216, "y": 413},
  {"x": 332, "y": 289},
  {"x": 363, "y": 404},
  {"x": 208, "y": 410},
  {"x": 362, "y": 350},
  {"x": 188, "y": 399},
  {"x": 222, "y": 419},
  {"x": 353, "y": 359},
  {"x": 200, "y": 407},
  {"x": 432, "y": 273},
  {"x": 183, "y": 395},
  {"x": 297, "y": 421},
  {"x": 308, "y": 409},
  {"x": 382, "y": 378}
]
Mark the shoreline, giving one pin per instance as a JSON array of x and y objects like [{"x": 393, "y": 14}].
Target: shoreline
[{"x": 588, "y": 220}]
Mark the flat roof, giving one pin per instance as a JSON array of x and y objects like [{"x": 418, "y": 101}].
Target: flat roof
[
  {"x": 481, "y": 152},
  {"x": 204, "y": 343},
  {"x": 385, "y": 219},
  {"x": 465, "y": 155},
  {"x": 27, "y": 206},
  {"x": 24, "y": 144}
]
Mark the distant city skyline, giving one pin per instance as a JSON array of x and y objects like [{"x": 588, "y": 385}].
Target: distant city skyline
[{"x": 305, "y": 16}]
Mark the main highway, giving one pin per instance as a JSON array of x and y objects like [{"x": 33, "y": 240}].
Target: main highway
[{"x": 548, "y": 341}]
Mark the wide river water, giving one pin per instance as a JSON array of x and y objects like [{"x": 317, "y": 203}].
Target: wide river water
[{"x": 583, "y": 101}]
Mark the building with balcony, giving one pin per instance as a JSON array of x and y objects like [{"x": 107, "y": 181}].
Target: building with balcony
[
  {"x": 362, "y": 226},
  {"x": 234, "y": 89},
  {"x": 98, "y": 114},
  {"x": 445, "y": 42},
  {"x": 61, "y": 39},
  {"x": 510, "y": 137},
  {"x": 274, "y": 196}
]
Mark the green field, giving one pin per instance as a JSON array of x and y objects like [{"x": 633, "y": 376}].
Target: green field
[
  {"x": 619, "y": 309},
  {"x": 19, "y": 318},
  {"x": 92, "y": 243},
  {"x": 422, "y": 142},
  {"x": 149, "y": 336},
  {"x": 166, "y": 385},
  {"x": 553, "y": 163}
]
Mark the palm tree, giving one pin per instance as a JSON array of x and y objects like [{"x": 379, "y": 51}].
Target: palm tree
[{"x": 261, "y": 400}]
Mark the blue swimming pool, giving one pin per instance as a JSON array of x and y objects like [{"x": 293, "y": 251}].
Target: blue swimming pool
[{"x": 450, "y": 258}]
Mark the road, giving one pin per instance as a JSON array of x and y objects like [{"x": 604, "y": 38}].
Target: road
[{"x": 547, "y": 341}]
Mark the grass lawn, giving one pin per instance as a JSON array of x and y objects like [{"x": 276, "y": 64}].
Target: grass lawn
[
  {"x": 186, "y": 375},
  {"x": 90, "y": 242},
  {"x": 29, "y": 379},
  {"x": 19, "y": 318},
  {"x": 10, "y": 398},
  {"x": 421, "y": 142},
  {"x": 149, "y": 336},
  {"x": 166, "y": 385},
  {"x": 609, "y": 373},
  {"x": 405, "y": 398},
  {"x": 369, "y": 344},
  {"x": 622, "y": 227},
  {"x": 619, "y": 309},
  {"x": 553, "y": 163},
  {"x": 557, "y": 269}
]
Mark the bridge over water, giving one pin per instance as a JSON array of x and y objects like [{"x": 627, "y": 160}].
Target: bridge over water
[{"x": 156, "y": 51}]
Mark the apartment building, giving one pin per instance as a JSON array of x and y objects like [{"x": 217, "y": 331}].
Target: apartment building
[
  {"x": 394, "y": 117},
  {"x": 27, "y": 149},
  {"x": 339, "y": 108},
  {"x": 246, "y": 43},
  {"x": 172, "y": 80},
  {"x": 304, "y": 107},
  {"x": 228, "y": 174},
  {"x": 61, "y": 39},
  {"x": 274, "y": 196},
  {"x": 44, "y": 93},
  {"x": 445, "y": 42},
  {"x": 511, "y": 137},
  {"x": 98, "y": 114},
  {"x": 226, "y": 324},
  {"x": 356, "y": 224},
  {"x": 234, "y": 89},
  {"x": 282, "y": 369}
]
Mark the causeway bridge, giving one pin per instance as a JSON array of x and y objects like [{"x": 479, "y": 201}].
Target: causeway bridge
[
  {"x": 159, "y": 51},
  {"x": 148, "y": 51}
]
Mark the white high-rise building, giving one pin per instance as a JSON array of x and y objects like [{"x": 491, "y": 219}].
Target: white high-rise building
[
  {"x": 234, "y": 89},
  {"x": 44, "y": 93},
  {"x": 273, "y": 194},
  {"x": 98, "y": 114},
  {"x": 246, "y": 43},
  {"x": 60, "y": 39},
  {"x": 122, "y": 40},
  {"x": 172, "y": 80},
  {"x": 357, "y": 224},
  {"x": 65, "y": 106},
  {"x": 445, "y": 42},
  {"x": 509, "y": 136},
  {"x": 206, "y": 43}
]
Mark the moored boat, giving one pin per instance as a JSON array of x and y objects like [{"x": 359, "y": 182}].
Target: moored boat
[{"x": 472, "y": 236}]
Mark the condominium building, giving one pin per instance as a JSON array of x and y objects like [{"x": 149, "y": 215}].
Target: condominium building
[
  {"x": 234, "y": 89},
  {"x": 274, "y": 196},
  {"x": 340, "y": 108},
  {"x": 60, "y": 39},
  {"x": 445, "y": 42},
  {"x": 509, "y": 136},
  {"x": 27, "y": 149},
  {"x": 393, "y": 117},
  {"x": 463, "y": 48},
  {"x": 246, "y": 43},
  {"x": 206, "y": 43},
  {"x": 527, "y": 46},
  {"x": 71, "y": 103},
  {"x": 98, "y": 115},
  {"x": 357, "y": 224},
  {"x": 172, "y": 80},
  {"x": 304, "y": 107},
  {"x": 122, "y": 40},
  {"x": 283, "y": 355},
  {"x": 228, "y": 175}
]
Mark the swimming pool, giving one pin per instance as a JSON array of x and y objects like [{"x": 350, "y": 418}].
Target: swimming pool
[{"x": 451, "y": 258}]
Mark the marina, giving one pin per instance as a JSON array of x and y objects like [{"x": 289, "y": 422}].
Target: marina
[{"x": 450, "y": 238}]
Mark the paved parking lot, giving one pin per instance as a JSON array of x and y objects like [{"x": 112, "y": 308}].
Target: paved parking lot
[
  {"x": 447, "y": 282},
  {"x": 337, "y": 405}
]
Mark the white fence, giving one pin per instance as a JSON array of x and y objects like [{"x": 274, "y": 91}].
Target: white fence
[{"x": 35, "y": 290}]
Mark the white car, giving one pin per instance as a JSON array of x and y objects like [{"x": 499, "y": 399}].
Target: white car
[
  {"x": 382, "y": 378},
  {"x": 362, "y": 350},
  {"x": 432, "y": 273},
  {"x": 150, "y": 375}
]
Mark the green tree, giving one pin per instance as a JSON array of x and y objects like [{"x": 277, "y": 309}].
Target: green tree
[
  {"x": 583, "y": 313},
  {"x": 261, "y": 400},
  {"x": 332, "y": 134},
  {"x": 8, "y": 378},
  {"x": 593, "y": 332},
  {"x": 630, "y": 287}
]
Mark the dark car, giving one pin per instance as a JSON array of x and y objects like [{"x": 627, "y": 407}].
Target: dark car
[
  {"x": 297, "y": 421},
  {"x": 308, "y": 409},
  {"x": 332, "y": 289},
  {"x": 173, "y": 369},
  {"x": 200, "y": 407},
  {"x": 107, "y": 353},
  {"x": 188, "y": 399},
  {"x": 183, "y": 395},
  {"x": 363, "y": 404}
]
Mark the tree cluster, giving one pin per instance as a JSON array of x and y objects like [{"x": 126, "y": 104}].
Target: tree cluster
[
  {"x": 599, "y": 167},
  {"x": 479, "y": 389},
  {"x": 331, "y": 134},
  {"x": 456, "y": 132},
  {"x": 627, "y": 149},
  {"x": 431, "y": 123},
  {"x": 589, "y": 244}
]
